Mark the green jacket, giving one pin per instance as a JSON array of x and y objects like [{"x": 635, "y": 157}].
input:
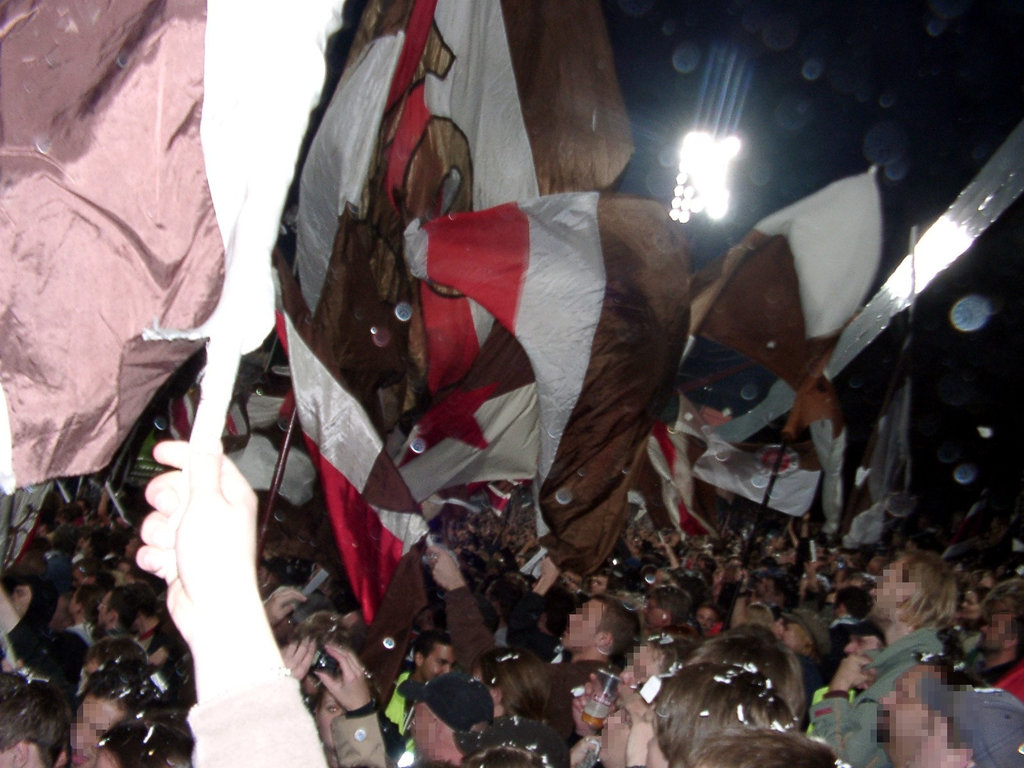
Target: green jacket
[
  {"x": 851, "y": 728},
  {"x": 395, "y": 711}
]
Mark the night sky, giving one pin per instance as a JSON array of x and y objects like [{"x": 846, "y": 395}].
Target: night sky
[
  {"x": 821, "y": 89},
  {"x": 925, "y": 90}
]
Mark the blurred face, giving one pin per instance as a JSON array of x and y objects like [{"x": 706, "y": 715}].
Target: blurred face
[
  {"x": 106, "y": 618},
  {"x": 21, "y": 597},
  {"x": 862, "y": 644},
  {"x": 707, "y": 619},
  {"x": 997, "y": 633},
  {"x": 572, "y": 580},
  {"x": 94, "y": 718},
  {"x": 904, "y": 721},
  {"x": 794, "y": 638},
  {"x": 433, "y": 739},
  {"x": 643, "y": 663},
  {"x": 969, "y": 611},
  {"x": 894, "y": 589},
  {"x": 326, "y": 710},
  {"x": 597, "y": 584},
  {"x": 655, "y": 617},
  {"x": 24, "y": 754},
  {"x": 76, "y": 611},
  {"x": 438, "y": 662},
  {"x": 581, "y": 633}
]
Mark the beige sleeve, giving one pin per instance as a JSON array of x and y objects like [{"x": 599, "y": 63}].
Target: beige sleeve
[
  {"x": 358, "y": 741},
  {"x": 266, "y": 726}
]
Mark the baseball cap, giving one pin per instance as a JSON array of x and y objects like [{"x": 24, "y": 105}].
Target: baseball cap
[
  {"x": 459, "y": 700},
  {"x": 813, "y": 626},
  {"x": 989, "y": 720}
]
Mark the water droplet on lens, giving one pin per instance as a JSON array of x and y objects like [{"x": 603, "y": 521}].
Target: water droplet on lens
[
  {"x": 749, "y": 391},
  {"x": 42, "y": 145},
  {"x": 380, "y": 336},
  {"x": 122, "y": 60},
  {"x": 965, "y": 473},
  {"x": 419, "y": 445},
  {"x": 759, "y": 481},
  {"x": 403, "y": 311},
  {"x": 389, "y": 643},
  {"x": 813, "y": 69},
  {"x": 896, "y": 170},
  {"x": 160, "y": 423},
  {"x": 948, "y": 452},
  {"x": 935, "y": 27},
  {"x": 971, "y": 313},
  {"x": 885, "y": 142},
  {"x": 953, "y": 390},
  {"x": 686, "y": 58},
  {"x": 780, "y": 33},
  {"x": 563, "y": 496}
]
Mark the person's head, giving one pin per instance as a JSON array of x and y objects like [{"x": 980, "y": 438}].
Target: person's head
[
  {"x": 145, "y": 601},
  {"x": 933, "y": 712},
  {"x": 667, "y": 607},
  {"x": 35, "y": 723},
  {"x": 763, "y": 748},
  {"x": 518, "y": 680},
  {"x": 325, "y": 709},
  {"x": 34, "y": 599},
  {"x": 146, "y": 743},
  {"x": 658, "y": 654},
  {"x": 1002, "y": 623},
  {"x": 969, "y": 613},
  {"x": 84, "y": 603},
  {"x": 756, "y": 646},
  {"x": 853, "y": 601},
  {"x": 597, "y": 584},
  {"x": 709, "y": 619},
  {"x": 432, "y": 655},
  {"x": 445, "y": 705},
  {"x": 112, "y": 693},
  {"x": 502, "y": 757},
  {"x": 603, "y": 626},
  {"x": 701, "y": 700},
  {"x": 770, "y": 587},
  {"x": 918, "y": 590},
  {"x": 524, "y": 736},
  {"x": 111, "y": 650},
  {"x": 760, "y": 614},
  {"x": 864, "y": 636},
  {"x": 117, "y": 610},
  {"x": 803, "y": 633}
]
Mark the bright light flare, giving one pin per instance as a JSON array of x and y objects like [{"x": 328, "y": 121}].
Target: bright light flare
[{"x": 702, "y": 185}]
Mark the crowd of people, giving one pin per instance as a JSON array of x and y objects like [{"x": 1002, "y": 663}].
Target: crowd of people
[{"x": 170, "y": 646}]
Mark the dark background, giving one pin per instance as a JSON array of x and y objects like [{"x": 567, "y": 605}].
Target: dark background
[{"x": 927, "y": 90}]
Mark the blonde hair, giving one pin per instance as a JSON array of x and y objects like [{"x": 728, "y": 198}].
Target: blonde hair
[{"x": 935, "y": 597}]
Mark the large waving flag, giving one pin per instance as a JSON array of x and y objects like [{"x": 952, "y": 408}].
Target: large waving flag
[
  {"x": 590, "y": 287},
  {"x": 781, "y": 298},
  {"x": 445, "y": 106},
  {"x": 146, "y": 147}
]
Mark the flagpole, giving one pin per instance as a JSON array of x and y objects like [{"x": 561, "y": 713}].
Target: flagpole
[
  {"x": 760, "y": 516},
  {"x": 275, "y": 483}
]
